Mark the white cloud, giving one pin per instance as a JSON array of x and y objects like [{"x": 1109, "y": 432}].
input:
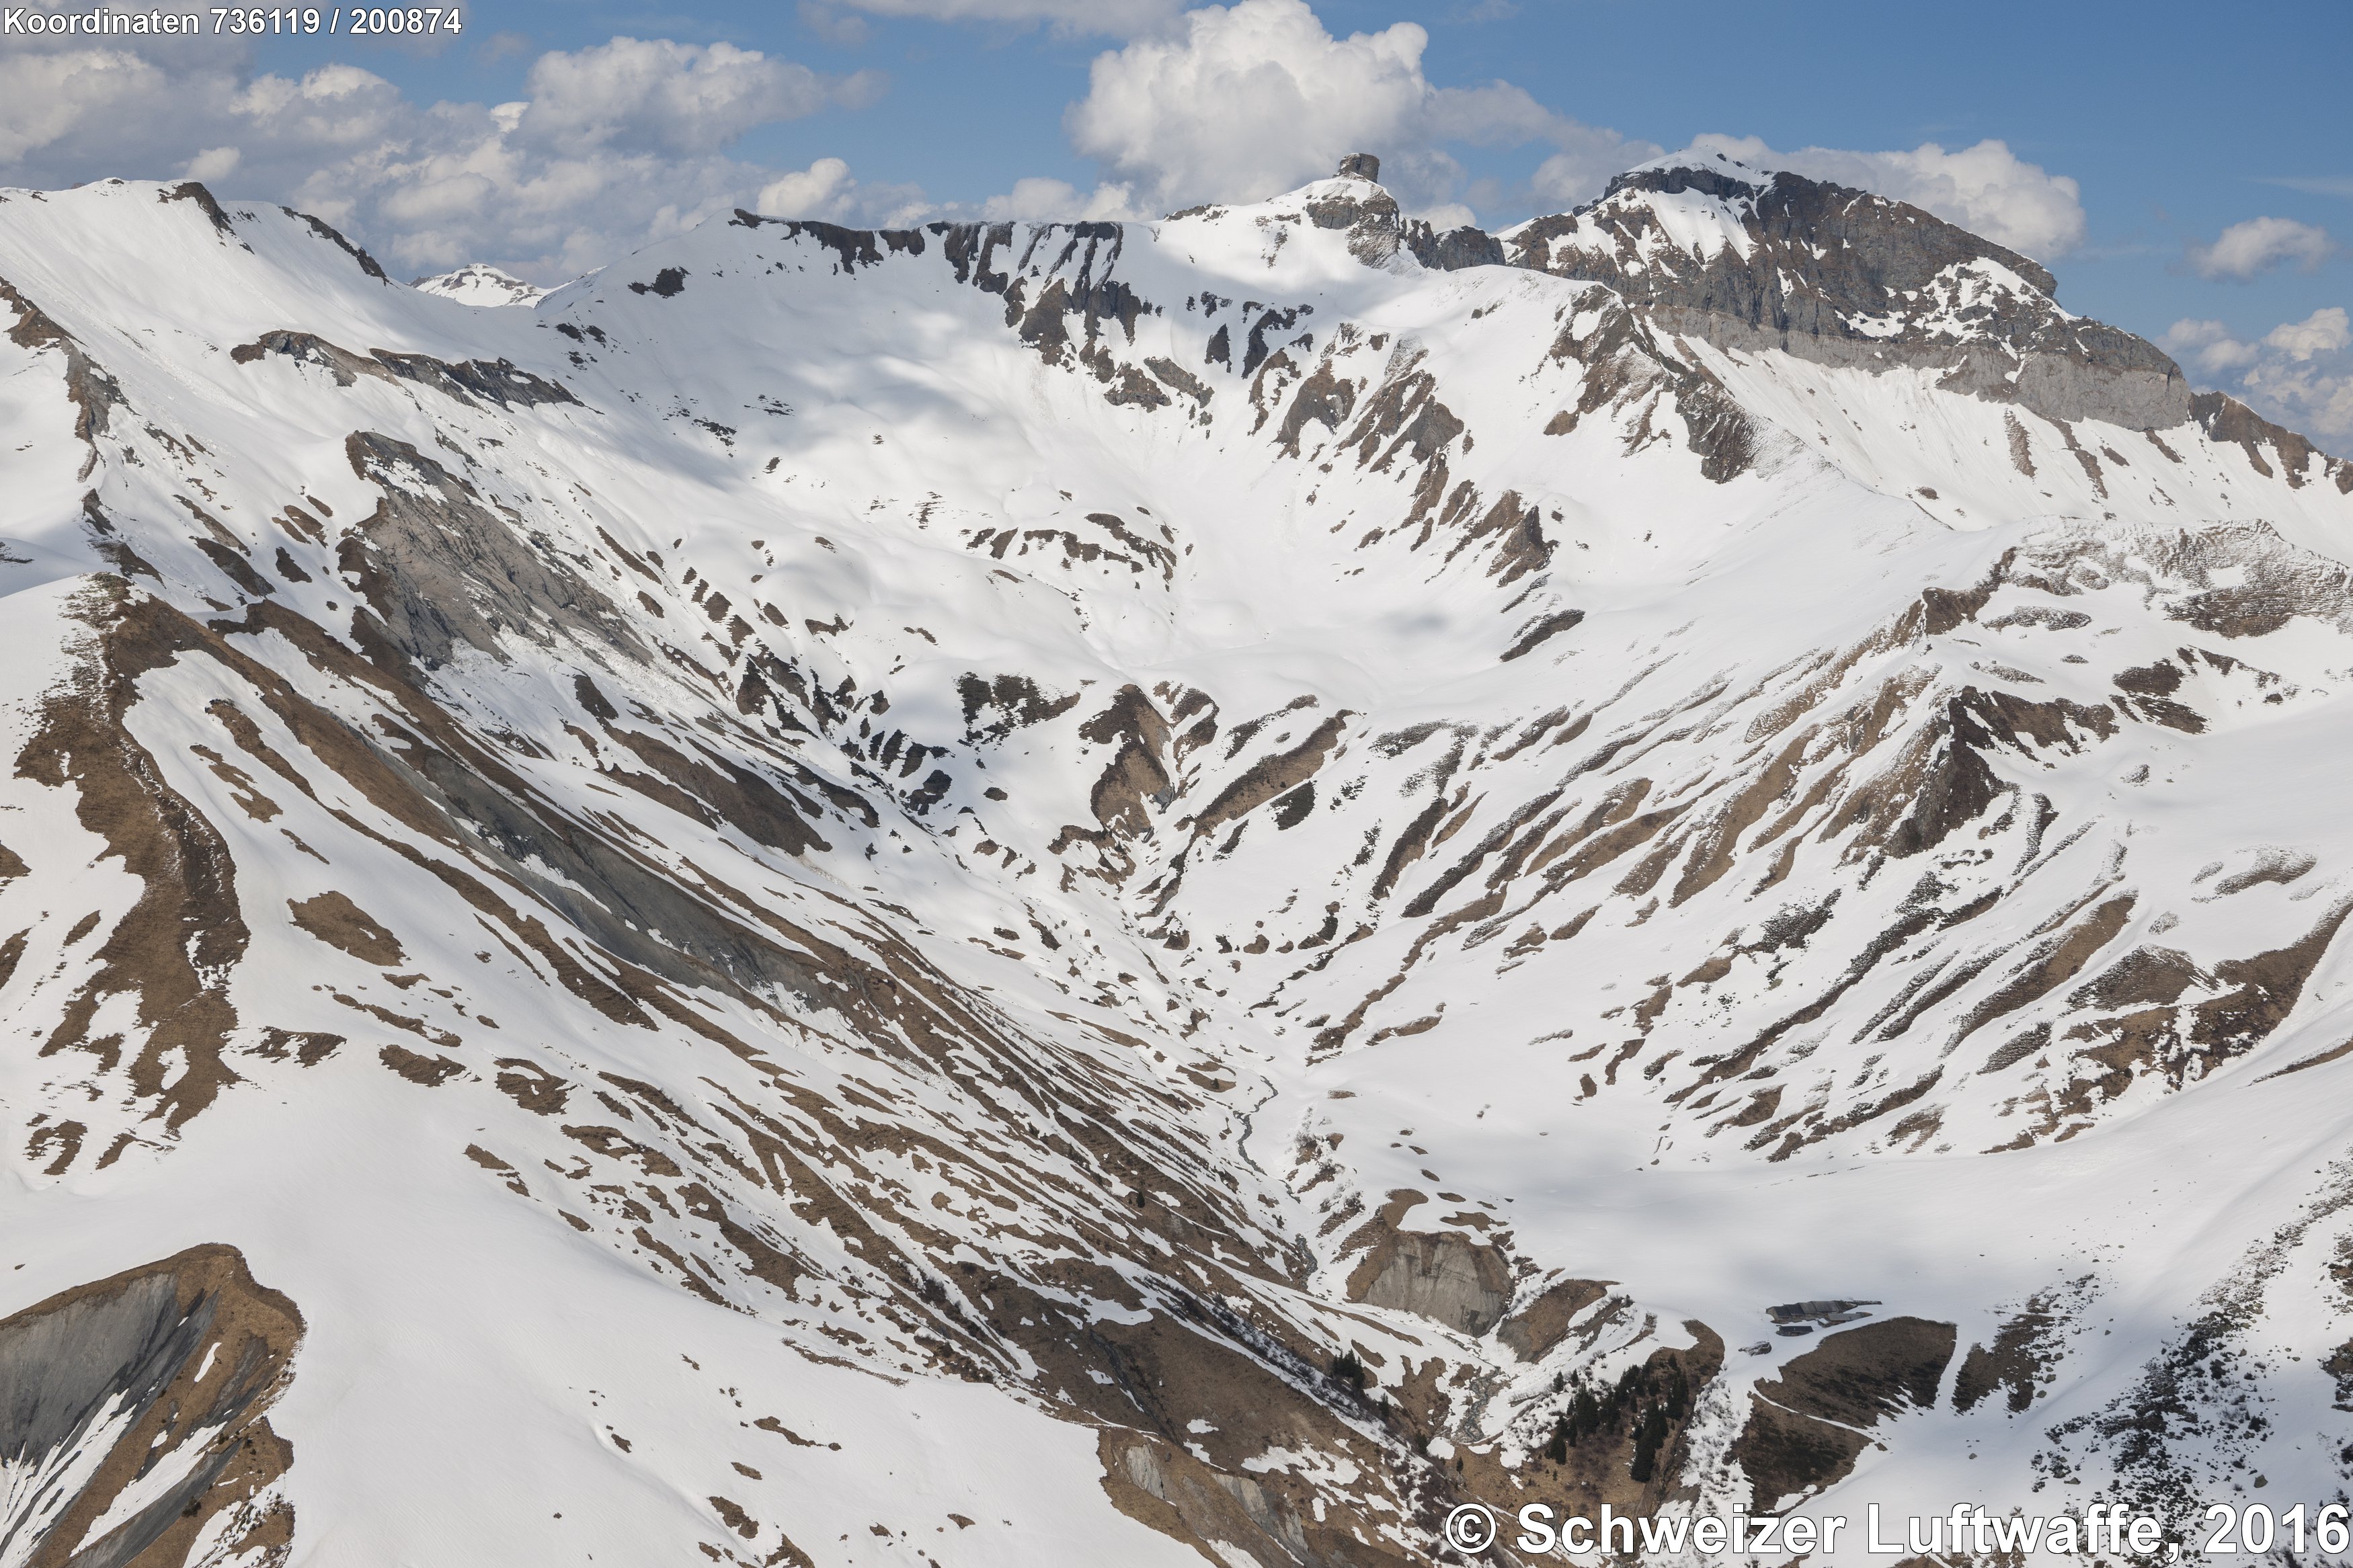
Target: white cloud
[
  {"x": 2322, "y": 332},
  {"x": 48, "y": 95},
  {"x": 1986, "y": 189},
  {"x": 843, "y": 32},
  {"x": 2298, "y": 374},
  {"x": 613, "y": 146},
  {"x": 1119, "y": 19},
  {"x": 213, "y": 163},
  {"x": 673, "y": 98},
  {"x": 1057, "y": 201},
  {"x": 1241, "y": 102},
  {"x": 826, "y": 191},
  {"x": 813, "y": 192},
  {"x": 1587, "y": 157},
  {"x": 2259, "y": 243},
  {"x": 2208, "y": 346}
]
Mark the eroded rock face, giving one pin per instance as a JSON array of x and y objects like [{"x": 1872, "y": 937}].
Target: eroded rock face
[
  {"x": 1437, "y": 1275},
  {"x": 439, "y": 569},
  {"x": 161, "y": 1376}
]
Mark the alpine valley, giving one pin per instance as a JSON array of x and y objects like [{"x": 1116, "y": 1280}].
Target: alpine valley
[{"x": 1135, "y": 893}]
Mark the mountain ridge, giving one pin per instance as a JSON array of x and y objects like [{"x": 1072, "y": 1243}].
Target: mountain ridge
[{"x": 916, "y": 807}]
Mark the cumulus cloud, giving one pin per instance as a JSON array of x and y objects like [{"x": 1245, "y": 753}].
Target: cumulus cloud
[
  {"x": 1119, "y": 19},
  {"x": 1059, "y": 201},
  {"x": 843, "y": 32},
  {"x": 46, "y": 95},
  {"x": 2208, "y": 346},
  {"x": 2299, "y": 373},
  {"x": 1587, "y": 157},
  {"x": 613, "y": 146},
  {"x": 826, "y": 191},
  {"x": 2322, "y": 332},
  {"x": 1240, "y": 102},
  {"x": 213, "y": 163},
  {"x": 678, "y": 98},
  {"x": 1986, "y": 189},
  {"x": 2260, "y": 244}
]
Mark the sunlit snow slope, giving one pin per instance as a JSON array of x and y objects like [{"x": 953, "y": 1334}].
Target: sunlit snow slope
[{"x": 1123, "y": 893}]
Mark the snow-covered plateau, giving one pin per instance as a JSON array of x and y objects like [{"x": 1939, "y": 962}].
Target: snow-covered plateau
[{"x": 1103, "y": 893}]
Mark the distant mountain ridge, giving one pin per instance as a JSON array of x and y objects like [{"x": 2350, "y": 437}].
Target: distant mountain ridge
[{"x": 482, "y": 284}]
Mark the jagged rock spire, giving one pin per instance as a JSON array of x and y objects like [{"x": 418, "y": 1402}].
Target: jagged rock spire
[{"x": 1360, "y": 166}]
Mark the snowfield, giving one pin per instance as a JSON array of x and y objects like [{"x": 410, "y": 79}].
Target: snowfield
[{"x": 1129, "y": 893}]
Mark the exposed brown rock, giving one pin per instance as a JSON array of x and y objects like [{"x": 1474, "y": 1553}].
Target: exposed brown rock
[
  {"x": 431, "y": 1071},
  {"x": 1803, "y": 1432},
  {"x": 2020, "y": 1359},
  {"x": 1537, "y": 1325},
  {"x": 1269, "y": 776},
  {"x": 334, "y": 919},
  {"x": 196, "y": 1351},
  {"x": 175, "y": 948}
]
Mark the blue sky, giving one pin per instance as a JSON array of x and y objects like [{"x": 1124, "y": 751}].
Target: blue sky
[{"x": 2187, "y": 173}]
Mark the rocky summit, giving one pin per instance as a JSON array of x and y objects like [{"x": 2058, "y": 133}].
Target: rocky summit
[{"x": 1078, "y": 893}]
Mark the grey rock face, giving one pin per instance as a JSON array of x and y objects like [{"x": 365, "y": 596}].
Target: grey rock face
[
  {"x": 167, "y": 1368},
  {"x": 1441, "y": 1277},
  {"x": 1845, "y": 278},
  {"x": 1833, "y": 275},
  {"x": 1378, "y": 230},
  {"x": 1454, "y": 249},
  {"x": 421, "y": 557}
]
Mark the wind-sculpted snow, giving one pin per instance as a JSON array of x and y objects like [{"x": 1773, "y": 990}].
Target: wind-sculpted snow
[{"x": 1114, "y": 892}]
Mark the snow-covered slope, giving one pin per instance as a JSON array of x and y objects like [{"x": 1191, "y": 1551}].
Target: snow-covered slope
[{"x": 1119, "y": 892}]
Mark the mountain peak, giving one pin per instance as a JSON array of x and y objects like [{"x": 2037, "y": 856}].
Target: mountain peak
[
  {"x": 1378, "y": 229},
  {"x": 479, "y": 283},
  {"x": 1717, "y": 173},
  {"x": 1751, "y": 260}
]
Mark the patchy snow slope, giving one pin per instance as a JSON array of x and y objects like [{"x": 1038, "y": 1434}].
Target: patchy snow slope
[{"x": 988, "y": 844}]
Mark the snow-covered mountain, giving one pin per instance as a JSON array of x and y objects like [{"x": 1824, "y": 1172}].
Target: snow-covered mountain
[
  {"x": 482, "y": 284},
  {"x": 1125, "y": 893}
]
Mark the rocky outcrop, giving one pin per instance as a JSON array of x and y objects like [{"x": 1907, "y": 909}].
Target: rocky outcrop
[
  {"x": 1377, "y": 228},
  {"x": 1844, "y": 277},
  {"x": 146, "y": 1392},
  {"x": 1437, "y": 1275},
  {"x": 1806, "y": 1428},
  {"x": 2230, "y": 421}
]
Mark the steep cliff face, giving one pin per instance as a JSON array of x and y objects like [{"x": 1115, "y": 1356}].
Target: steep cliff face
[{"x": 1124, "y": 892}]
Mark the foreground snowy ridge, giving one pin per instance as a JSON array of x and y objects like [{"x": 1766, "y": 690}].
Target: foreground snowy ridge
[{"x": 1126, "y": 893}]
